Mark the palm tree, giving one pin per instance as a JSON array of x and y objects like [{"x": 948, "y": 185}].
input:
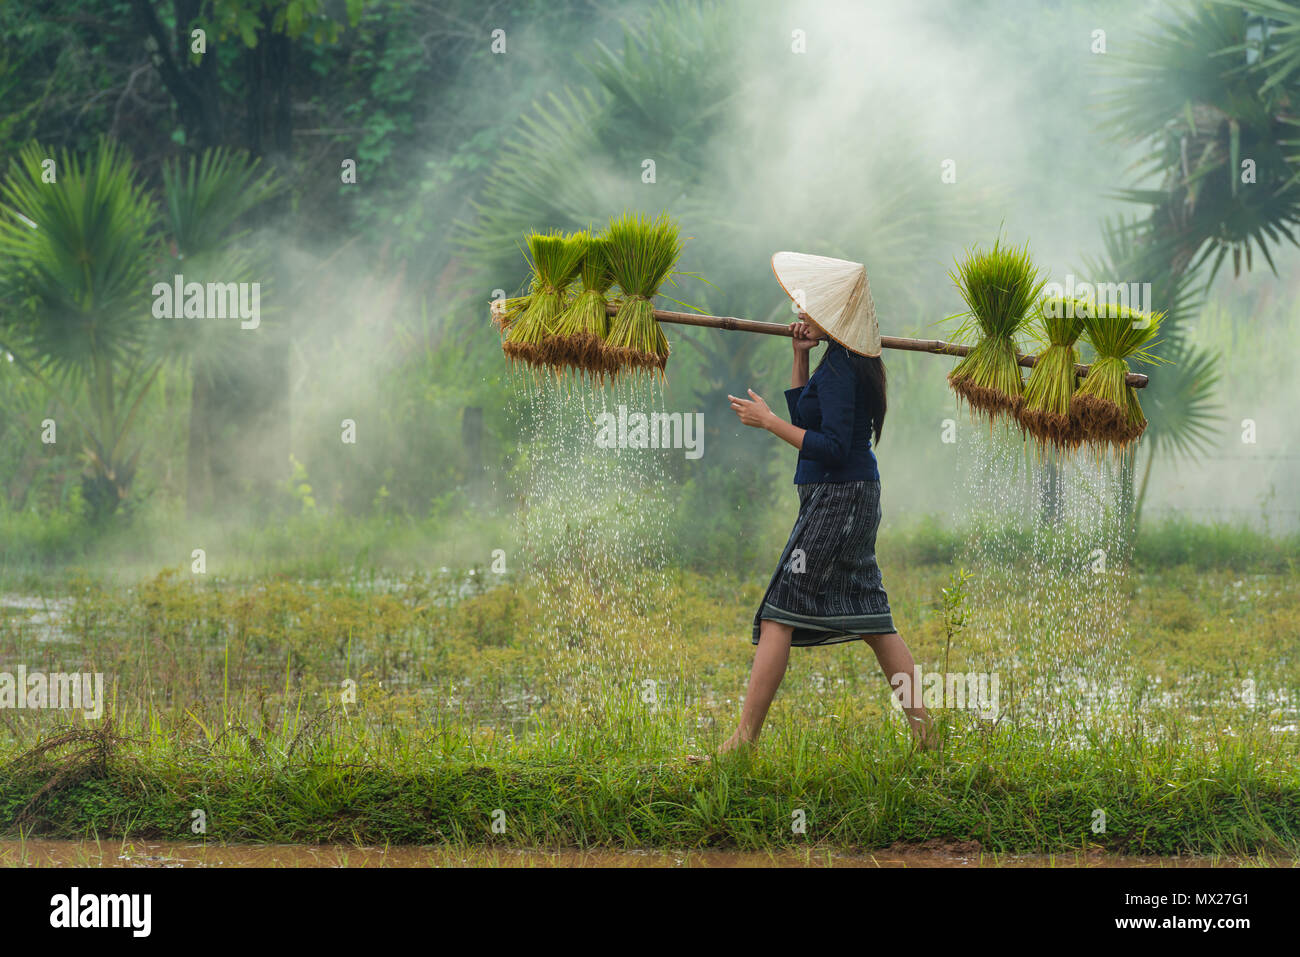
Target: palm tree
[
  {"x": 1206, "y": 107},
  {"x": 78, "y": 252},
  {"x": 81, "y": 255},
  {"x": 1211, "y": 102}
]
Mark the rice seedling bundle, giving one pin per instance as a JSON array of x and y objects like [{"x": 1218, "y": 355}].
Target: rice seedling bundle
[
  {"x": 582, "y": 329},
  {"x": 556, "y": 260},
  {"x": 1045, "y": 412},
  {"x": 1106, "y": 407},
  {"x": 642, "y": 253},
  {"x": 1000, "y": 287},
  {"x": 506, "y": 311}
]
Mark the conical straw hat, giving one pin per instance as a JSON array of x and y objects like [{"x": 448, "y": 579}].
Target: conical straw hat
[{"x": 835, "y": 293}]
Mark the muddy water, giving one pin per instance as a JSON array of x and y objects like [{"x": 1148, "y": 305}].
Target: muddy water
[{"x": 43, "y": 853}]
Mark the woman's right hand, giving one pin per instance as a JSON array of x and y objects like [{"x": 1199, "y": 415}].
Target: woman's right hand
[{"x": 804, "y": 339}]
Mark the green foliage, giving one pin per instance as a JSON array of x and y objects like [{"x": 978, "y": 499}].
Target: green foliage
[
  {"x": 557, "y": 258},
  {"x": 666, "y": 84},
  {"x": 595, "y": 273},
  {"x": 582, "y": 329},
  {"x": 206, "y": 201},
  {"x": 1180, "y": 402},
  {"x": 999, "y": 286},
  {"x": 1120, "y": 332},
  {"x": 1193, "y": 94},
  {"x": 414, "y": 95},
  {"x": 713, "y": 527},
  {"x": 1180, "y": 407},
  {"x": 78, "y": 253},
  {"x": 534, "y": 181},
  {"x": 1180, "y": 410},
  {"x": 1223, "y": 546},
  {"x": 642, "y": 252},
  {"x": 1279, "y": 48},
  {"x": 953, "y": 610},
  {"x": 294, "y": 18},
  {"x": 206, "y": 197},
  {"x": 298, "y": 486}
]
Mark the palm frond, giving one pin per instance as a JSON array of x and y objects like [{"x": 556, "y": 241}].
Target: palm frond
[
  {"x": 1279, "y": 42},
  {"x": 1192, "y": 92},
  {"x": 204, "y": 198},
  {"x": 77, "y": 252},
  {"x": 1180, "y": 403}
]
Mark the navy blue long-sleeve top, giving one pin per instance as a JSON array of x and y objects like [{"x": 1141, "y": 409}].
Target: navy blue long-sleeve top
[{"x": 833, "y": 410}]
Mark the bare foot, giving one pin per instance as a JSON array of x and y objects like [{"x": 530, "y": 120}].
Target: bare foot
[
  {"x": 734, "y": 742},
  {"x": 926, "y": 737},
  {"x": 733, "y": 745},
  {"x": 737, "y": 746}
]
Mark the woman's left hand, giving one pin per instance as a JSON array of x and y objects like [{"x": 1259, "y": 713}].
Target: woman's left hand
[{"x": 755, "y": 412}]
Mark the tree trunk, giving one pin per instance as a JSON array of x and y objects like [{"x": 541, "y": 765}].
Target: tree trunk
[
  {"x": 198, "y": 462},
  {"x": 256, "y": 399},
  {"x": 270, "y": 138}
]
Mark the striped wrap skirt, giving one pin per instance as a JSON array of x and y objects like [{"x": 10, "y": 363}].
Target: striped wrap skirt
[{"x": 827, "y": 585}]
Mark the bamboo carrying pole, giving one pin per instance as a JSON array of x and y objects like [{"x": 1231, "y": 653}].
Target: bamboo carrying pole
[{"x": 936, "y": 346}]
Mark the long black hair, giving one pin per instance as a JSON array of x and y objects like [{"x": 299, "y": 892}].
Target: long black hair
[{"x": 870, "y": 371}]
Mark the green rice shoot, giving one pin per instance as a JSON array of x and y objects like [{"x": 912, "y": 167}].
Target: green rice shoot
[
  {"x": 584, "y": 326},
  {"x": 1000, "y": 287},
  {"x": 1045, "y": 412},
  {"x": 555, "y": 260},
  {"x": 642, "y": 255},
  {"x": 506, "y": 311},
  {"x": 1105, "y": 404}
]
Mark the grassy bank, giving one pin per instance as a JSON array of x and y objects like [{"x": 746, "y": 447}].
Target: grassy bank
[
  {"x": 384, "y": 709},
  {"x": 1012, "y": 793}
]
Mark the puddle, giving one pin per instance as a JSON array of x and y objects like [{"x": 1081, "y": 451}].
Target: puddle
[
  {"x": 42, "y": 617},
  {"x": 47, "y": 853}
]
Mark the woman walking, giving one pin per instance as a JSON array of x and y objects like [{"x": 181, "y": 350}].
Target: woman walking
[{"x": 827, "y": 587}]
